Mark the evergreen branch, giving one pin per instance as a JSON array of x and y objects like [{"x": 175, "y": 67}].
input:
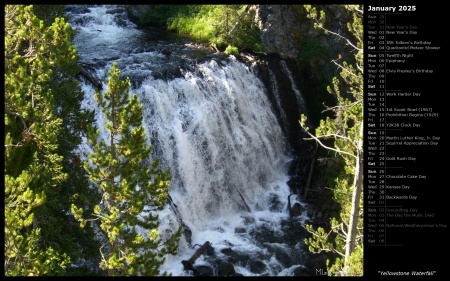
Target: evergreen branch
[
  {"x": 19, "y": 144},
  {"x": 344, "y": 233},
  {"x": 360, "y": 12},
  {"x": 98, "y": 217},
  {"x": 319, "y": 24},
  {"x": 327, "y": 147},
  {"x": 103, "y": 256},
  {"x": 320, "y": 238},
  {"x": 18, "y": 115},
  {"x": 18, "y": 256},
  {"x": 336, "y": 136},
  {"x": 345, "y": 69},
  {"x": 335, "y": 190},
  {"x": 359, "y": 67},
  {"x": 342, "y": 107}
]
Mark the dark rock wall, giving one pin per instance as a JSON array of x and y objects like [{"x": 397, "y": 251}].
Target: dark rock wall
[{"x": 284, "y": 28}]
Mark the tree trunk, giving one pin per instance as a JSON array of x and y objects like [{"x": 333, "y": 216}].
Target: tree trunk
[
  {"x": 290, "y": 210},
  {"x": 243, "y": 200},
  {"x": 239, "y": 21},
  {"x": 190, "y": 262},
  {"x": 186, "y": 230},
  {"x": 357, "y": 188},
  {"x": 89, "y": 77},
  {"x": 311, "y": 170}
]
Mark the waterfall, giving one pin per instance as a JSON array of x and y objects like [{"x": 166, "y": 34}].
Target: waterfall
[
  {"x": 298, "y": 95},
  {"x": 212, "y": 124},
  {"x": 225, "y": 148},
  {"x": 274, "y": 88},
  {"x": 219, "y": 135}
]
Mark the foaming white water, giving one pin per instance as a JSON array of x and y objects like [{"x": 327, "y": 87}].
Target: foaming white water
[
  {"x": 226, "y": 151},
  {"x": 100, "y": 34},
  {"x": 218, "y": 135},
  {"x": 225, "y": 148}
]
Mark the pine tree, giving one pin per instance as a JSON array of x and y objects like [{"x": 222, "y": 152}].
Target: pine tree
[
  {"x": 58, "y": 228},
  {"x": 346, "y": 131},
  {"x": 32, "y": 165},
  {"x": 131, "y": 189}
]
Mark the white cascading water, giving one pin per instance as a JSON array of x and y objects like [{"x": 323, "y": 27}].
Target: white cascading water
[
  {"x": 298, "y": 95},
  {"x": 274, "y": 85},
  {"x": 222, "y": 142},
  {"x": 213, "y": 127}
]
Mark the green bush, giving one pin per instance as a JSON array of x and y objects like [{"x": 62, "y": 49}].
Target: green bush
[
  {"x": 213, "y": 24},
  {"x": 231, "y": 50}
]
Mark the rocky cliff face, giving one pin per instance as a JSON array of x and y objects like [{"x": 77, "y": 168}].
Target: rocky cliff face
[
  {"x": 280, "y": 29},
  {"x": 284, "y": 28},
  {"x": 136, "y": 12}
]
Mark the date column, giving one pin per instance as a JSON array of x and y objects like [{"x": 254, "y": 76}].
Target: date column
[{"x": 375, "y": 114}]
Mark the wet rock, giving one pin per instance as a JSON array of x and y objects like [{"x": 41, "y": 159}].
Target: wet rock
[
  {"x": 225, "y": 268},
  {"x": 256, "y": 266},
  {"x": 248, "y": 220},
  {"x": 187, "y": 232},
  {"x": 293, "y": 183},
  {"x": 302, "y": 271},
  {"x": 210, "y": 251},
  {"x": 240, "y": 230},
  {"x": 281, "y": 252},
  {"x": 292, "y": 168},
  {"x": 317, "y": 263},
  {"x": 135, "y": 12},
  {"x": 274, "y": 203},
  {"x": 167, "y": 72},
  {"x": 296, "y": 210},
  {"x": 203, "y": 270},
  {"x": 310, "y": 211},
  {"x": 166, "y": 52},
  {"x": 264, "y": 234},
  {"x": 236, "y": 257},
  {"x": 283, "y": 258},
  {"x": 115, "y": 11}
]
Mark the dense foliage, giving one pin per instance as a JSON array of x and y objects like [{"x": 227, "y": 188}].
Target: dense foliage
[
  {"x": 220, "y": 25},
  {"x": 44, "y": 124},
  {"x": 345, "y": 130},
  {"x": 131, "y": 189},
  {"x": 33, "y": 167}
]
